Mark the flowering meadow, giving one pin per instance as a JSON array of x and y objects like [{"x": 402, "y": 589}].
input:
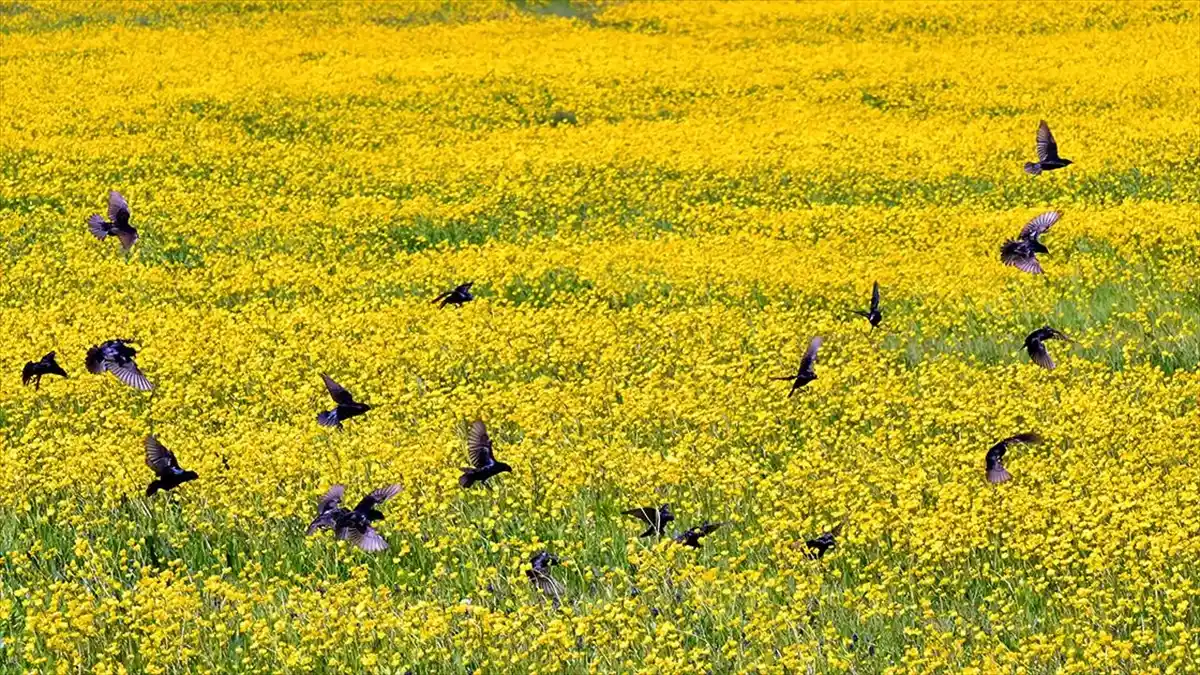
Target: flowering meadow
[{"x": 659, "y": 206}]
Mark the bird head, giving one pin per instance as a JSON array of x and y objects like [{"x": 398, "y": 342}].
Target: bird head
[{"x": 502, "y": 467}]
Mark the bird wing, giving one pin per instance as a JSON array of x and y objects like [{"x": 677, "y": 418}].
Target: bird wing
[
  {"x": 368, "y": 540},
  {"x": 1047, "y": 148},
  {"x": 323, "y": 521},
  {"x": 547, "y": 584},
  {"x": 336, "y": 391},
  {"x": 441, "y": 297},
  {"x": 810, "y": 356},
  {"x": 1027, "y": 438},
  {"x": 646, "y": 514},
  {"x": 95, "y": 360},
  {"x": 995, "y": 454},
  {"x": 837, "y": 529},
  {"x": 875, "y": 297},
  {"x": 1012, "y": 255},
  {"x": 1040, "y": 224},
  {"x": 330, "y": 499},
  {"x": 161, "y": 460},
  {"x": 28, "y": 372},
  {"x": 1039, "y": 354},
  {"x": 127, "y": 235},
  {"x": 377, "y": 497},
  {"x": 479, "y": 446},
  {"x": 129, "y": 373},
  {"x": 707, "y": 528},
  {"x": 118, "y": 208}
]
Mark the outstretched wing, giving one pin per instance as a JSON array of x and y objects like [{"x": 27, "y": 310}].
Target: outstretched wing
[
  {"x": 547, "y": 584},
  {"x": 1039, "y": 354},
  {"x": 1047, "y": 149},
  {"x": 479, "y": 446},
  {"x": 330, "y": 499},
  {"x": 377, "y": 497},
  {"x": 875, "y": 297},
  {"x": 118, "y": 208},
  {"x": 368, "y": 540},
  {"x": 1040, "y": 224},
  {"x": 810, "y": 356},
  {"x": 336, "y": 391},
  {"x": 129, "y": 373},
  {"x": 1016, "y": 254},
  {"x": 161, "y": 460}
]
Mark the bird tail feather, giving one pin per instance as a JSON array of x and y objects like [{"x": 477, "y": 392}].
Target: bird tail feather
[
  {"x": 328, "y": 418},
  {"x": 97, "y": 226}
]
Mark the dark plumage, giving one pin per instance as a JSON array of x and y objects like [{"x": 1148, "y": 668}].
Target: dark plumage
[
  {"x": 1021, "y": 252},
  {"x": 806, "y": 373},
  {"x": 1037, "y": 350},
  {"x": 162, "y": 461},
  {"x": 539, "y": 576},
  {"x": 996, "y": 473},
  {"x": 346, "y": 408},
  {"x": 818, "y": 545},
  {"x": 483, "y": 460},
  {"x": 116, "y": 357},
  {"x": 1047, "y": 152},
  {"x": 692, "y": 537},
  {"x": 34, "y": 370},
  {"x": 456, "y": 297},
  {"x": 353, "y": 525},
  {"x": 117, "y": 223},
  {"x": 655, "y": 518},
  {"x": 873, "y": 315}
]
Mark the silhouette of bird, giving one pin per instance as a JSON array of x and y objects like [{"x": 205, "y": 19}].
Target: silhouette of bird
[
  {"x": 353, "y": 525},
  {"x": 820, "y": 544},
  {"x": 692, "y": 536},
  {"x": 1021, "y": 252},
  {"x": 1047, "y": 152},
  {"x": 806, "y": 373},
  {"x": 1037, "y": 350},
  {"x": 116, "y": 357},
  {"x": 873, "y": 315},
  {"x": 34, "y": 370},
  {"x": 162, "y": 461},
  {"x": 539, "y": 576},
  {"x": 457, "y": 296},
  {"x": 117, "y": 223},
  {"x": 655, "y": 518},
  {"x": 996, "y": 473},
  {"x": 483, "y": 460},
  {"x": 346, "y": 407}
]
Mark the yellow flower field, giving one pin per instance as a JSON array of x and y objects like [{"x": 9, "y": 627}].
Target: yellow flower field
[{"x": 660, "y": 205}]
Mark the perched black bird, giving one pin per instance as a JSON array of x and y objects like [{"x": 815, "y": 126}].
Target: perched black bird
[
  {"x": 34, "y": 370},
  {"x": 483, "y": 461},
  {"x": 117, "y": 223},
  {"x": 655, "y": 519},
  {"x": 1037, "y": 350},
  {"x": 116, "y": 356},
  {"x": 353, "y": 525},
  {"x": 456, "y": 297},
  {"x": 692, "y": 537},
  {"x": 996, "y": 473},
  {"x": 806, "y": 373},
  {"x": 346, "y": 408},
  {"x": 539, "y": 576},
  {"x": 820, "y": 544},
  {"x": 162, "y": 461},
  {"x": 1047, "y": 152},
  {"x": 873, "y": 315},
  {"x": 1021, "y": 252}
]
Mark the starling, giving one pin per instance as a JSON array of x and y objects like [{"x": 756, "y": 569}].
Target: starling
[
  {"x": 691, "y": 538},
  {"x": 820, "y": 544},
  {"x": 539, "y": 576},
  {"x": 117, "y": 223},
  {"x": 346, "y": 408},
  {"x": 873, "y": 315},
  {"x": 1037, "y": 350},
  {"x": 456, "y": 297},
  {"x": 116, "y": 356},
  {"x": 996, "y": 473},
  {"x": 1047, "y": 152},
  {"x": 806, "y": 373},
  {"x": 1021, "y": 252},
  {"x": 353, "y": 525},
  {"x": 162, "y": 461},
  {"x": 483, "y": 461},
  {"x": 34, "y": 370},
  {"x": 655, "y": 519}
]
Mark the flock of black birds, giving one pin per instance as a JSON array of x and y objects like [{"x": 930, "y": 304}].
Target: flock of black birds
[{"x": 354, "y": 525}]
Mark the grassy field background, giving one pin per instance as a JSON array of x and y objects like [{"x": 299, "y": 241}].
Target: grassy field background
[{"x": 660, "y": 205}]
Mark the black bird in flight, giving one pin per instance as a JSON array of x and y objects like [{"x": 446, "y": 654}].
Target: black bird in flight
[
  {"x": 873, "y": 315},
  {"x": 1021, "y": 252},
  {"x": 456, "y": 297},
  {"x": 162, "y": 461},
  {"x": 539, "y": 576},
  {"x": 346, "y": 407},
  {"x": 1037, "y": 350},
  {"x": 820, "y": 544},
  {"x": 483, "y": 460},
  {"x": 117, "y": 223},
  {"x": 806, "y": 373},
  {"x": 353, "y": 525},
  {"x": 691, "y": 537},
  {"x": 996, "y": 473},
  {"x": 116, "y": 356},
  {"x": 655, "y": 519},
  {"x": 34, "y": 370},
  {"x": 1047, "y": 152}
]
